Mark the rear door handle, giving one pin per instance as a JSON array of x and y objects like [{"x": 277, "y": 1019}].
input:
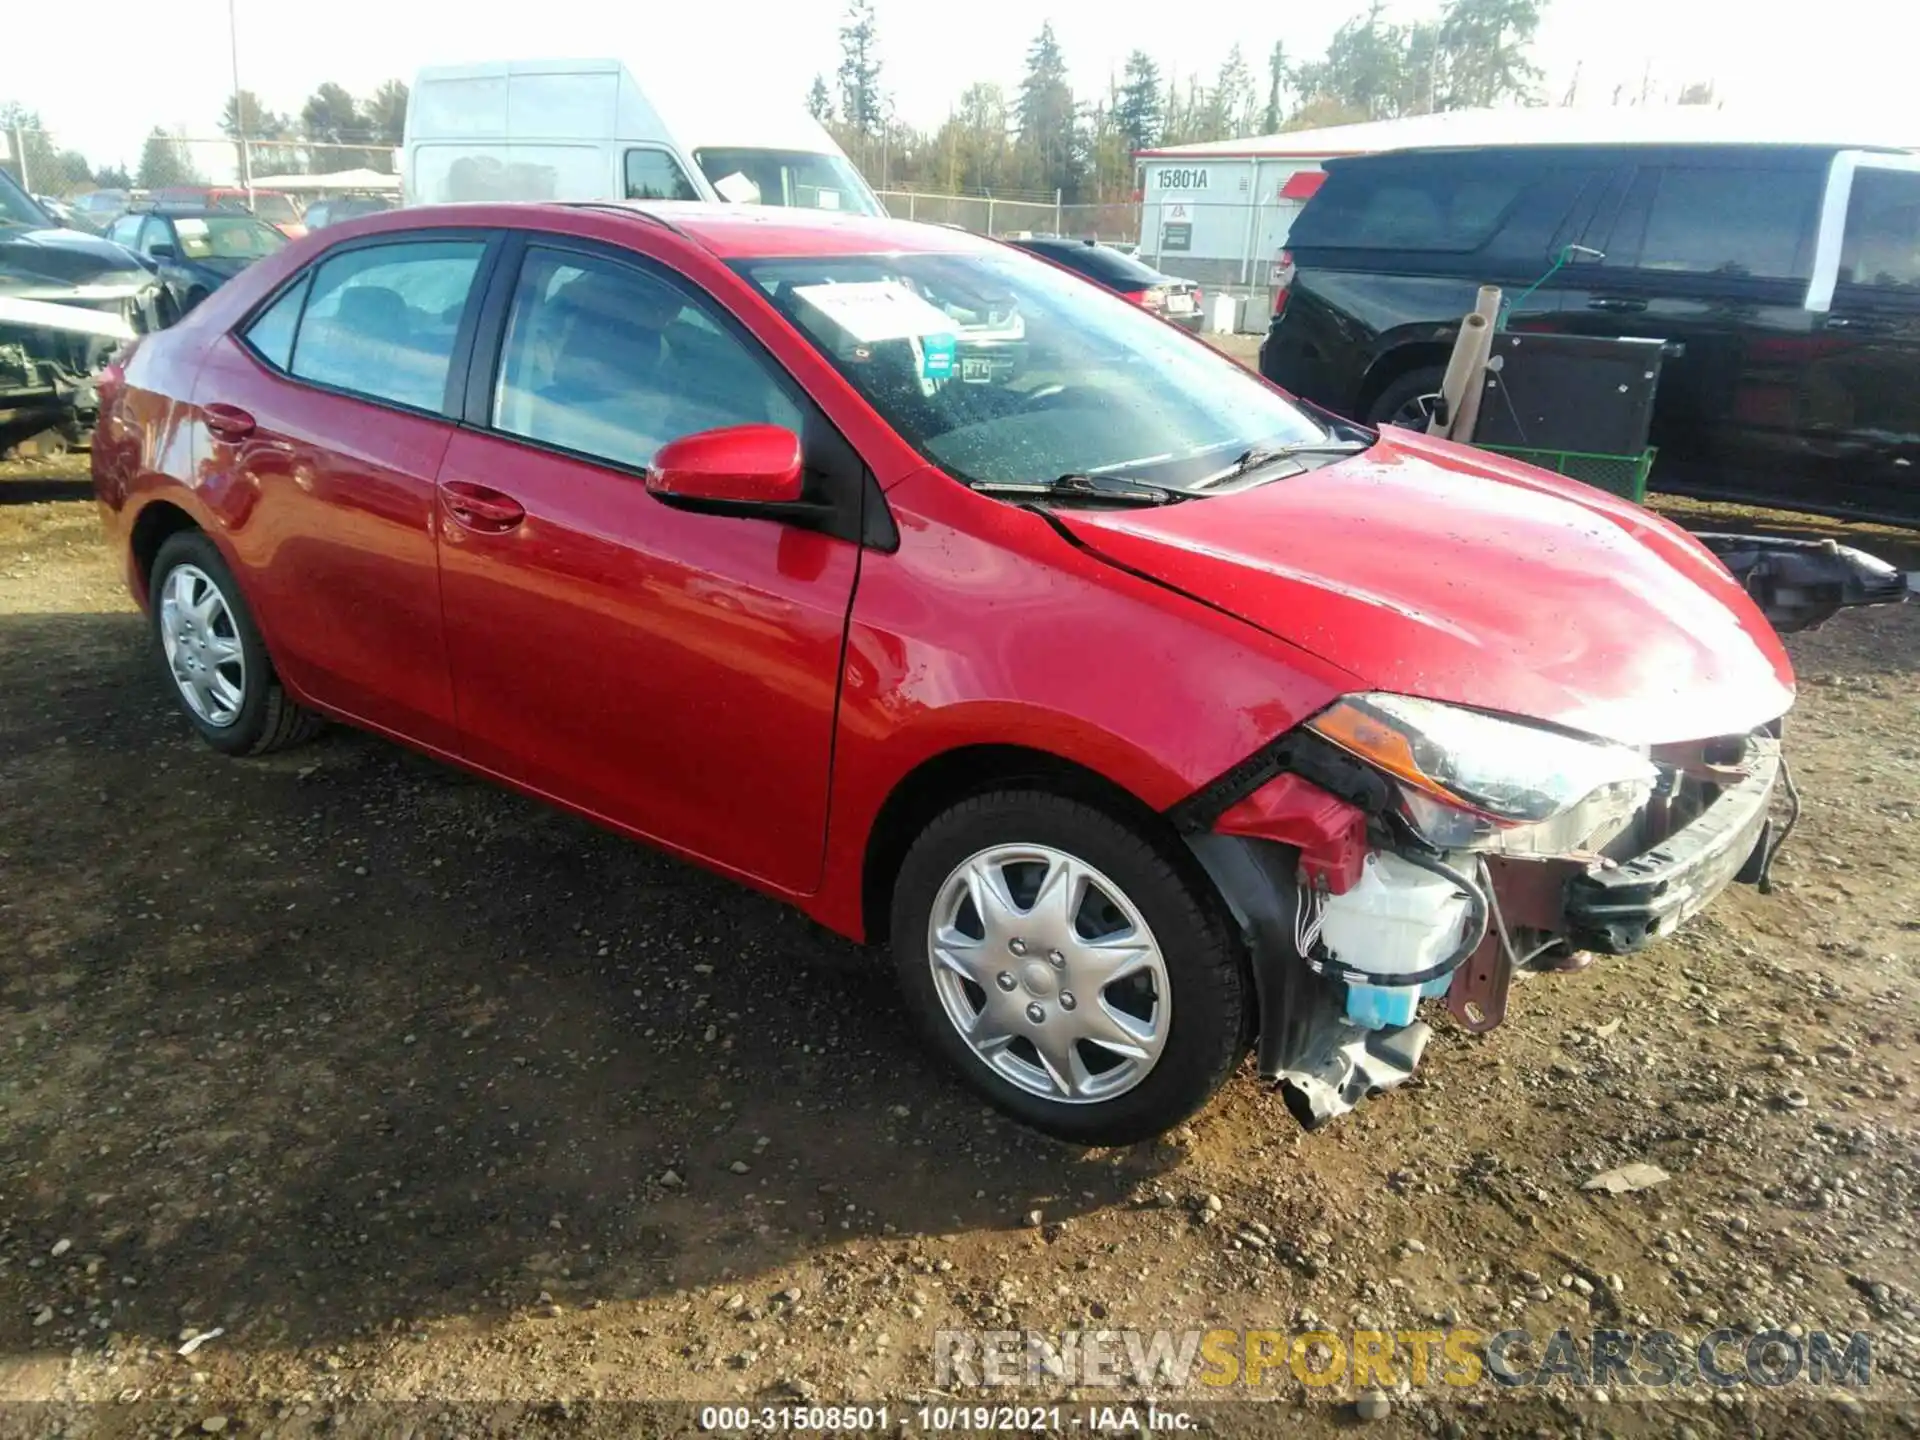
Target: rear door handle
[
  {"x": 1616, "y": 304},
  {"x": 1858, "y": 324},
  {"x": 228, "y": 422},
  {"x": 478, "y": 507}
]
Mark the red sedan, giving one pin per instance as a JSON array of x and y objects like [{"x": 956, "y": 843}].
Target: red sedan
[{"x": 1149, "y": 716}]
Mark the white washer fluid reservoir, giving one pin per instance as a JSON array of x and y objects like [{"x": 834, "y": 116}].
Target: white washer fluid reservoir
[{"x": 1399, "y": 919}]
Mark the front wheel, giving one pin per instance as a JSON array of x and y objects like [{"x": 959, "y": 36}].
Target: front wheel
[{"x": 1072, "y": 973}]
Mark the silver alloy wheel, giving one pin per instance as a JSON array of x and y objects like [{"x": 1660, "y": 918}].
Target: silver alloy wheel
[
  {"x": 1050, "y": 973},
  {"x": 203, "y": 646}
]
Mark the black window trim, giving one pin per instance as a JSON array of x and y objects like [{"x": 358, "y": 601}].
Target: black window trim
[
  {"x": 854, "y": 508},
  {"x": 459, "y": 359}
]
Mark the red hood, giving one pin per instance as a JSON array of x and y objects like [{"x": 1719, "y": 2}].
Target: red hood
[{"x": 1430, "y": 569}]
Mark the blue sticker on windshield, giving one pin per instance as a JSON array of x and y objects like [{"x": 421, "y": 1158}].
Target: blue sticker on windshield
[{"x": 937, "y": 356}]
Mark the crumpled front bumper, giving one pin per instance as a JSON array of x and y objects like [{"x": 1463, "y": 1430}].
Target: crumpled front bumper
[
  {"x": 1325, "y": 1064},
  {"x": 1623, "y": 907}
]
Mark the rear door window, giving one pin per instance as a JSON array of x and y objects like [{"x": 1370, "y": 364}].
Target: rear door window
[
  {"x": 1881, "y": 250},
  {"x": 656, "y": 175},
  {"x": 1737, "y": 222},
  {"x": 383, "y": 319}
]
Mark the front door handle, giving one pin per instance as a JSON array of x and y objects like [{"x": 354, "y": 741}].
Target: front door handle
[
  {"x": 1616, "y": 304},
  {"x": 228, "y": 422},
  {"x": 481, "y": 508}
]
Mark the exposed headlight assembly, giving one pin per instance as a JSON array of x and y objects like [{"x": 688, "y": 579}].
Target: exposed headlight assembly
[{"x": 1472, "y": 781}]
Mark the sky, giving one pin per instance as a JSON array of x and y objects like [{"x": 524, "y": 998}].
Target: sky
[{"x": 1856, "y": 62}]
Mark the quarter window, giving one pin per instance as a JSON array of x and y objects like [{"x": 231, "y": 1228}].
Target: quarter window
[
  {"x": 609, "y": 361},
  {"x": 271, "y": 334},
  {"x": 1882, "y": 246},
  {"x": 656, "y": 175},
  {"x": 382, "y": 320},
  {"x": 1421, "y": 206}
]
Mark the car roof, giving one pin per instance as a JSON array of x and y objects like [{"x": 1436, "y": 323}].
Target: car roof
[
  {"x": 729, "y": 232},
  {"x": 743, "y": 232},
  {"x": 199, "y": 212}
]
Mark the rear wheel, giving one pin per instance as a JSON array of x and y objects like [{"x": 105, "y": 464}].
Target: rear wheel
[
  {"x": 213, "y": 655},
  {"x": 1408, "y": 401},
  {"x": 1075, "y": 976}
]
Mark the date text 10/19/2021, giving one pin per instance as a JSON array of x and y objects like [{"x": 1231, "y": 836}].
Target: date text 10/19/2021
[{"x": 947, "y": 1419}]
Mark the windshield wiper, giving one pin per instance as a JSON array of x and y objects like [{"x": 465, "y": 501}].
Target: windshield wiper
[
  {"x": 1261, "y": 456},
  {"x": 1091, "y": 487}
]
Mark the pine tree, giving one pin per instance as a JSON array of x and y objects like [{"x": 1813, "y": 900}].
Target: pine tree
[
  {"x": 860, "y": 108},
  {"x": 1483, "y": 52},
  {"x": 163, "y": 161},
  {"x": 819, "y": 101},
  {"x": 1046, "y": 114},
  {"x": 1233, "y": 98},
  {"x": 1139, "y": 113},
  {"x": 1278, "y": 73}
]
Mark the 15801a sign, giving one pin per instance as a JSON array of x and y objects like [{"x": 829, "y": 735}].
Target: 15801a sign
[{"x": 1177, "y": 178}]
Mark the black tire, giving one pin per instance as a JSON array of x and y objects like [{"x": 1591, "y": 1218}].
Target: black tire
[
  {"x": 1401, "y": 402},
  {"x": 194, "y": 297},
  {"x": 267, "y": 718},
  {"x": 1211, "y": 988}
]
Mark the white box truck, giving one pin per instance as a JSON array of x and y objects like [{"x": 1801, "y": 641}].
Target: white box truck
[{"x": 588, "y": 130}]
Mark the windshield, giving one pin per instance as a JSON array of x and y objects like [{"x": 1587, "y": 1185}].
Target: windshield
[
  {"x": 225, "y": 237},
  {"x": 802, "y": 178},
  {"x": 1002, "y": 369},
  {"x": 275, "y": 208},
  {"x": 16, "y": 209}
]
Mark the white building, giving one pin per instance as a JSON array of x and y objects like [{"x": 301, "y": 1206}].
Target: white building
[{"x": 1219, "y": 212}]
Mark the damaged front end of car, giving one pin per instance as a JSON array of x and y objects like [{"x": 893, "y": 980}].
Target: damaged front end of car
[
  {"x": 64, "y": 311},
  {"x": 1393, "y": 850}
]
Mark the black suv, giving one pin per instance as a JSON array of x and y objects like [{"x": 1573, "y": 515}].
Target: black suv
[{"x": 1785, "y": 279}]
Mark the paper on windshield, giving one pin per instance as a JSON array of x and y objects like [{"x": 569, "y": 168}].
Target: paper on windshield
[
  {"x": 876, "y": 310},
  {"x": 737, "y": 189},
  {"x": 190, "y": 225}
]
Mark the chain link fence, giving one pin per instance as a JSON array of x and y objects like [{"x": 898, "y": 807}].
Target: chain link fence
[
  {"x": 44, "y": 168},
  {"x": 1229, "y": 247},
  {"x": 993, "y": 215}
]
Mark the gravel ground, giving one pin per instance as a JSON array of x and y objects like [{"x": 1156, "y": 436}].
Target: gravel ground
[{"x": 409, "y": 1090}]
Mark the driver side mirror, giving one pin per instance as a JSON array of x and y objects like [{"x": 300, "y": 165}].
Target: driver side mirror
[
  {"x": 742, "y": 465},
  {"x": 161, "y": 252}
]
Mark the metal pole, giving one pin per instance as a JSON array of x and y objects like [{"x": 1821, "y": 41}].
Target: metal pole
[
  {"x": 20, "y": 158},
  {"x": 1056, "y": 211},
  {"x": 239, "y": 109},
  {"x": 911, "y": 197},
  {"x": 989, "y": 214}
]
